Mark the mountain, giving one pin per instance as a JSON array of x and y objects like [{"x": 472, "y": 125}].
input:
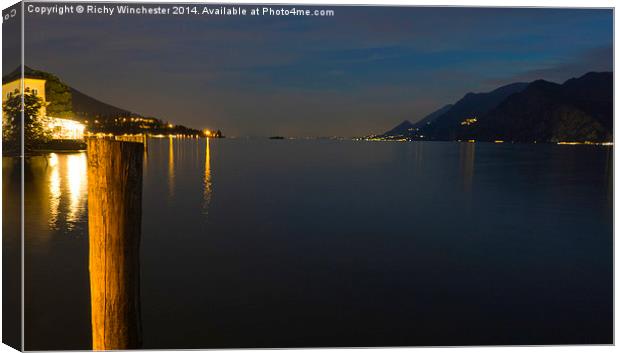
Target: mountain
[
  {"x": 433, "y": 116},
  {"x": 581, "y": 109},
  {"x": 406, "y": 128},
  {"x": 472, "y": 105},
  {"x": 594, "y": 92},
  {"x": 400, "y": 129},
  {"x": 85, "y": 107}
]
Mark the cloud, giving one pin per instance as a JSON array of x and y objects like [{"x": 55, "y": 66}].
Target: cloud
[
  {"x": 362, "y": 70},
  {"x": 564, "y": 68}
]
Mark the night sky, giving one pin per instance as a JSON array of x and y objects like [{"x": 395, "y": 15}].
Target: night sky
[{"x": 359, "y": 72}]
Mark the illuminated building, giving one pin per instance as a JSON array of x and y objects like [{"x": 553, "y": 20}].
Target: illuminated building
[
  {"x": 61, "y": 129},
  {"x": 66, "y": 129},
  {"x": 469, "y": 121},
  {"x": 34, "y": 85}
]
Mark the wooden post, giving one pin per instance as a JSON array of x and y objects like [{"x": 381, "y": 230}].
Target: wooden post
[{"x": 114, "y": 222}]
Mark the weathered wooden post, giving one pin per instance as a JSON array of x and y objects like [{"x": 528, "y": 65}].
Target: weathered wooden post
[{"x": 114, "y": 225}]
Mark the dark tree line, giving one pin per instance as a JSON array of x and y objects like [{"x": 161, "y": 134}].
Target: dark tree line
[{"x": 36, "y": 131}]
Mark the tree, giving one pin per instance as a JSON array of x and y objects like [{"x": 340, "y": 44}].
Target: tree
[
  {"x": 59, "y": 96},
  {"x": 36, "y": 131}
]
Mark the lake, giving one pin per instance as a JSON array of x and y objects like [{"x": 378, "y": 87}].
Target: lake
[{"x": 305, "y": 243}]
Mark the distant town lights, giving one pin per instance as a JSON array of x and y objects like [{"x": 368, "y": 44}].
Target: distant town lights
[{"x": 469, "y": 121}]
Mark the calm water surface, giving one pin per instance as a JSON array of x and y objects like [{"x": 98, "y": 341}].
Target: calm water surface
[{"x": 276, "y": 243}]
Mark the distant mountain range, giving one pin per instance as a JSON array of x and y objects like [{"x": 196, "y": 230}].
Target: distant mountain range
[
  {"x": 407, "y": 128},
  {"x": 579, "y": 110}
]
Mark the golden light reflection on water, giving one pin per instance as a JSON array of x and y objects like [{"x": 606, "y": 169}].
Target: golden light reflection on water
[
  {"x": 77, "y": 185},
  {"x": 207, "y": 177},
  {"x": 54, "y": 190},
  {"x": 170, "y": 166},
  {"x": 145, "y": 141},
  {"x": 67, "y": 189}
]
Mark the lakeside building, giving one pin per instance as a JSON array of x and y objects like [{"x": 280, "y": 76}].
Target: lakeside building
[
  {"x": 60, "y": 128},
  {"x": 35, "y": 85},
  {"x": 66, "y": 129}
]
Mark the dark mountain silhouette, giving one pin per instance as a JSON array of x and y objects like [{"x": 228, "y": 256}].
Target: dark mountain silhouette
[
  {"x": 400, "y": 129},
  {"x": 472, "y": 105},
  {"x": 581, "y": 109},
  {"x": 406, "y": 128},
  {"x": 86, "y": 107},
  {"x": 593, "y": 92},
  {"x": 433, "y": 116}
]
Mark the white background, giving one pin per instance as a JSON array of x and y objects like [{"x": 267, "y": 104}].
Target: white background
[{"x": 496, "y": 3}]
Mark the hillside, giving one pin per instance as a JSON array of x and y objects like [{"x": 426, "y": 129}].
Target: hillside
[
  {"x": 407, "y": 129},
  {"x": 68, "y": 102},
  {"x": 86, "y": 107},
  {"x": 472, "y": 105},
  {"x": 579, "y": 110}
]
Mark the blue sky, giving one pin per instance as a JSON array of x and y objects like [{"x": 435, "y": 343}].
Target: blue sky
[{"x": 361, "y": 71}]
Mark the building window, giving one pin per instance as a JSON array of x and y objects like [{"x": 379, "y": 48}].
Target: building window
[{"x": 35, "y": 92}]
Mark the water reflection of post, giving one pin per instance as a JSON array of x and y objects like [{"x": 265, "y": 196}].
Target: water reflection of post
[
  {"x": 467, "y": 157},
  {"x": 54, "y": 186},
  {"x": 75, "y": 174},
  {"x": 68, "y": 173},
  {"x": 114, "y": 225},
  {"x": 207, "y": 176}
]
